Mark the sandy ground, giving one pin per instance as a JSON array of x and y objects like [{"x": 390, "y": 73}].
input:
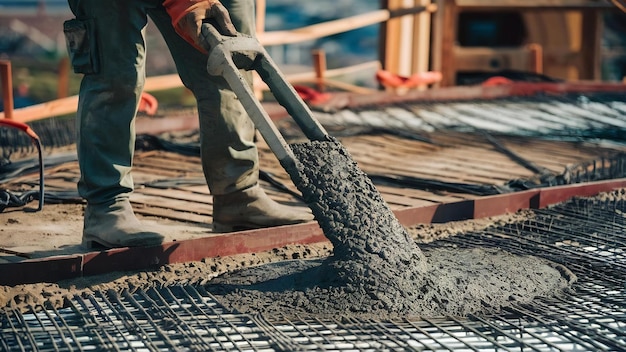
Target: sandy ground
[{"x": 58, "y": 231}]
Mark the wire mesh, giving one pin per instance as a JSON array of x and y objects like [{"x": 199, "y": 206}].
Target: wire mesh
[{"x": 584, "y": 234}]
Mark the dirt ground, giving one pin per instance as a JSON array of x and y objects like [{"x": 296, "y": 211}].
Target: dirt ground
[{"x": 58, "y": 230}]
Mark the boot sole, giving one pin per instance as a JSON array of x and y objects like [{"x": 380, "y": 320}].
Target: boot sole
[
  {"x": 219, "y": 227},
  {"x": 93, "y": 242},
  {"x": 223, "y": 228},
  {"x": 96, "y": 243}
]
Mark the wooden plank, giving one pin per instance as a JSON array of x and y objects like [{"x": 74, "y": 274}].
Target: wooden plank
[
  {"x": 140, "y": 178},
  {"x": 163, "y": 200},
  {"x": 328, "y": 28},
  {"x": 478, "y": 159},
  {"x": 450, "y": 169},
  {"x": 196, "y": 189},
  {"x": 172, "y": 214},
  {"x": 176, "y": 194},
  {"x": 438, "y": 171},
  {"x": 172, "y": 209},
  {"x": 492, "y": 59},
  {"x": 478, "y": 166},
  {"x": 421, "y": 196},
  {"x": 398, "y": 202},
  {"x": 53, "y": 108},
  {"x": 69, "y": 105},
  {"x": 426, "y": 196},
  {"x": 58, "y": 184}
]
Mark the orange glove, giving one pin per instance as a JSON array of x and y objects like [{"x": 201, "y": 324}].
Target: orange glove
[{"x": 187, "y": 17}]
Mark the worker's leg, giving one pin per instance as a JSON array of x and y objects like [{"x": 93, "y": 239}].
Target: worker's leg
[
  {"x": 108, "y": 98},
  {"x": 229, "y": 154}
]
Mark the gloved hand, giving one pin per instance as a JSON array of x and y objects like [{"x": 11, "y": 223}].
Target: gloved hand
[{"x": 187, "y": 17}]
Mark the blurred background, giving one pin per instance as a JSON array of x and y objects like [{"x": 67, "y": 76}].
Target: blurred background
[
  {"x": 489, "y": 37},
  {"x": 31, "y": 37}
]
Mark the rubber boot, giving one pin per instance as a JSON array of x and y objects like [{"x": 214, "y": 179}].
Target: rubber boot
[
  {"x": 109, "y": 93},
  {"x": 115, "y": 225},
  {"x": 251, "y": 208}
]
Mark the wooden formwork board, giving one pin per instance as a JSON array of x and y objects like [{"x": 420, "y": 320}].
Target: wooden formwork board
[
  {"x": 123, "y": 259},
  {"x": 166, "y": 180}
]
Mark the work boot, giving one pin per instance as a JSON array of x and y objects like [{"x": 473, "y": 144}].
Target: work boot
[
  {"x": 115, "y": 225},
  {"x": 251, "y": 208}
]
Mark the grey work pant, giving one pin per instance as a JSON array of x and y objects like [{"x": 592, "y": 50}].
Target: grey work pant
[{"x": 109, "y": 97}]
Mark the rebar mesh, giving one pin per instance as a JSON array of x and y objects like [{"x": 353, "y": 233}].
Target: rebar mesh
[
  {"x": 584, "y": 234},
  {"x": 53, "y": 132},
  {"x": 584, "y": 115}
]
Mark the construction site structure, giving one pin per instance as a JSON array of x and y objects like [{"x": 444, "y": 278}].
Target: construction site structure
[
  {"x": 440, "y": 148},
  {"x": 557, "y": 38},
  {"x": 466, "y": 41}
]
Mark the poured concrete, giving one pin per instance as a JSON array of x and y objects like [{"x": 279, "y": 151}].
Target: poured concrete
[{"x": 376, "y": 268}]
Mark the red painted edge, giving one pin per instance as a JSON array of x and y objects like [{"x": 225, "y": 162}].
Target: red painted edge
[
  {"x": 558, "y": 194},
  {"x": 65, "y": 267},
  {"x": 41, "y": 270},
  {"x": 218, "y": 245}
]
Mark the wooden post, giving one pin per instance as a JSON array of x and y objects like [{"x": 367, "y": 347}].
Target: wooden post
[
  {"x": 392, "y": 33},
  {"x": 436, "y": 37},
  {"x": 536, "y": 57},
  {"x": 421, "y": 40},
  {"x": 319, "y": 62},
  {"x": 406, "y": 41},
  {"x": 7, "y": 88},
  {"x": 448, "y": 28},
  {"x": 63, "y": 86},
  {"x": 260, "y": 15},
  {"x": 590, "y": 47}
]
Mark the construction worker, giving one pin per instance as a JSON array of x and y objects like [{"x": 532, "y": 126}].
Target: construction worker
[{"x": 106, "y": 43}]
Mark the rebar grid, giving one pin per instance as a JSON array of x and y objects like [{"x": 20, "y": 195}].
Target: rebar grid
[
  {"x": 572, "y": 115},
  {"x": 586, "y": 235}
]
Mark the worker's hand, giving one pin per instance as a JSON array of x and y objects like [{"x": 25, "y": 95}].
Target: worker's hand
[{"x": 188, "y": 15}]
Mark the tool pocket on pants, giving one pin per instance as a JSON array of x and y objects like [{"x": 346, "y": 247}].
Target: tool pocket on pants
[{"x": 80, "y": 37}]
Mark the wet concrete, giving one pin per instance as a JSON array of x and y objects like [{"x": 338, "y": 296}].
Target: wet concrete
[
  {"x": 377, "y": 269},
  {"x": 459, "y": 282}
]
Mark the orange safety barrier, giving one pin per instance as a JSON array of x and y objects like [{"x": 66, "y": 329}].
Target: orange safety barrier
[{"x": 392, "y": 80}]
